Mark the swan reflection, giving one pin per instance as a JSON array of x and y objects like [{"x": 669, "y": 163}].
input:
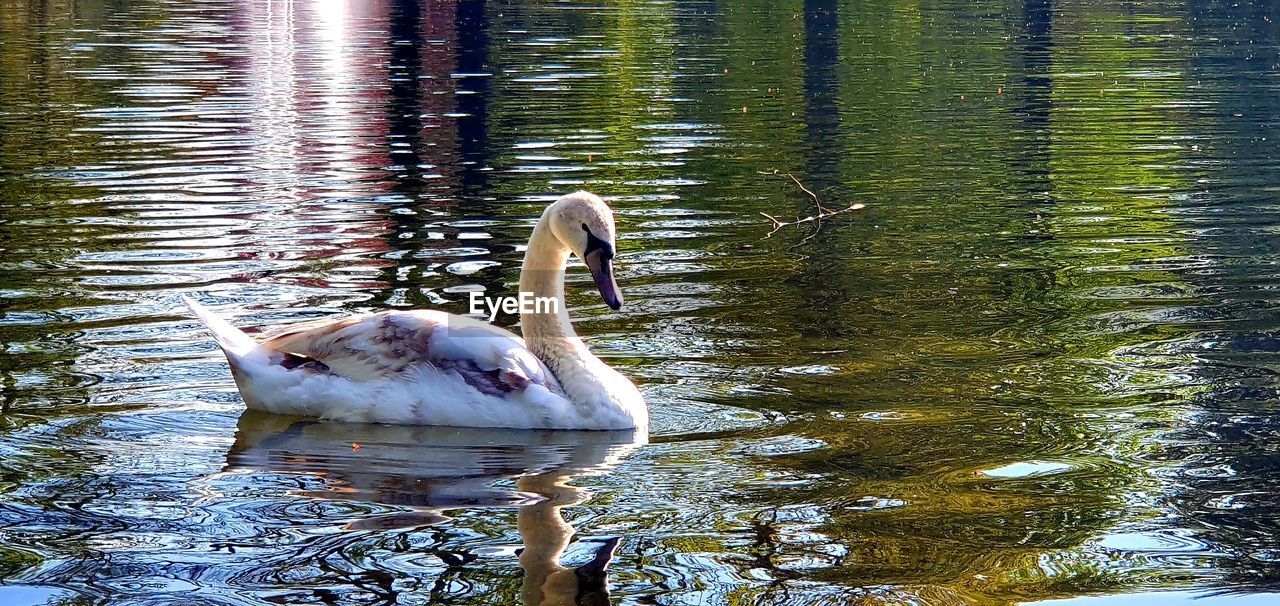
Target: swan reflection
[{"x": 430, "y": 470}]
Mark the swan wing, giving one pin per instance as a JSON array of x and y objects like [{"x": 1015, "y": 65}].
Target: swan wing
[{"x": 400, "y": 344}]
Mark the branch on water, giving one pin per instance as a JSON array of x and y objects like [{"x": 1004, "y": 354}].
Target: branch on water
[
  {"x": 779, "y": 224},
  {"x": 823, "y": 212}
]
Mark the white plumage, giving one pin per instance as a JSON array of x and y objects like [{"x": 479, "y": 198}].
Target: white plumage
[{"x": 428, "y": 367}]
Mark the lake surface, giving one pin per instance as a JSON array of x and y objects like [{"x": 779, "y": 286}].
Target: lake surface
[{"x": 1040, "y": 365}]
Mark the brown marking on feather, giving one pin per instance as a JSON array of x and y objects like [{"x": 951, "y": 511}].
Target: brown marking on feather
[
  {"x": 488, "y": 382},
  {"x": 292, "y": 361},
  {"x": 384, "y": 344},
  {"x": 516, "y": 381}
]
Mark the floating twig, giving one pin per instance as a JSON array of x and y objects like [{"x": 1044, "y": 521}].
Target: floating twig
[
  {"x": 779, "y": 224},
  {"x": 823, "y": 212}
]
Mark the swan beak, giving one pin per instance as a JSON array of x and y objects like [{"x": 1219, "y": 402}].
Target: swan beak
[{"x": 600, "y": 262}]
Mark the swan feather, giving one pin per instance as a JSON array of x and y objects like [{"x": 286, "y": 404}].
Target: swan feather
[
  {"x": 427, "y": 367},
  {"x": 419, "y": 367},
  {"x": 396, "y": 344}
]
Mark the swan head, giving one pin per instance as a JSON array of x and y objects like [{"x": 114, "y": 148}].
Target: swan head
[{"x": 584, "y": 223}]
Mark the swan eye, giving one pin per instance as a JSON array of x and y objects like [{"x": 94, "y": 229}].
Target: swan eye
[{"x": 584, "y": 228}]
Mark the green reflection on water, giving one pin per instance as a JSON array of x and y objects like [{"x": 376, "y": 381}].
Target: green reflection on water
[{"x": 954, "y": 392}]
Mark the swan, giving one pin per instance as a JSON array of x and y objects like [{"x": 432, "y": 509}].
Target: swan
[{"x": 428, "y": 367}]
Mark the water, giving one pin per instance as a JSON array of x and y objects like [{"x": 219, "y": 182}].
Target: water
[{"x": 1040, "y": 365}]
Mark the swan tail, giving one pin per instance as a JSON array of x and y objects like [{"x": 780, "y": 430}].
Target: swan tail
[
  {"x": 233, "y": 341},
  {"x": 263, "y": 382}
]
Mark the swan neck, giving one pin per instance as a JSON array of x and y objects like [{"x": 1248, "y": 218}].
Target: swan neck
[
  {"x": 599, "y": 391},
  {"x": 542, "y": 277}
]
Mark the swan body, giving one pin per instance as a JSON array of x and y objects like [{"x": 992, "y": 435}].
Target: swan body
[{"x": 428, "y": 367}]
